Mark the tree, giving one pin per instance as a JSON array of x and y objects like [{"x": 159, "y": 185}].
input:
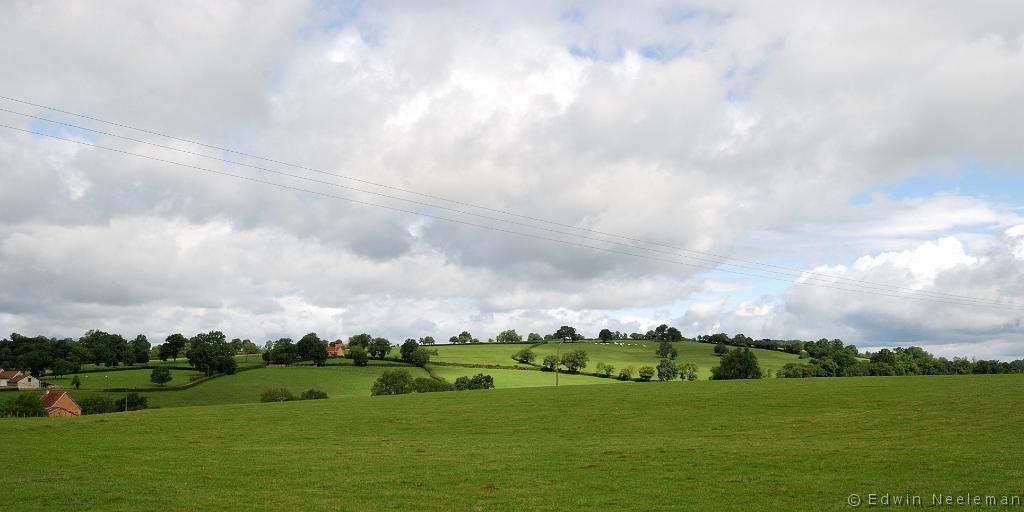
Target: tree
[
  {"x": 626, "y": 373},
  {"x": 646, "y": 373},
  {"x": 103, "y": 348},
  {"x": 721, "y": 349},
  {"x": 161, "y": 375},
  {"x": 360, "y": 340},
  {"x": 688, "y": 371},
  {"x": 96, "y": 405},
  {"x": 478, "y": 381},
  {"x": 737, "y": 364},
  {"x": 666, "y": 349},
  {"x": 379, "y": 348},
  {"x": 407, "y": 349},
  {"x": 525, "y": 356},
  {"x": 359, "y": 355},
  {"x": 534, "y": 338},
  {"x": 132, "y": 402},
  {"x": 605, "y": 335},
  {"x": 667, "y": 370},
  {"x": 61, "y": 367},
  {"x": 276, "y": 395},
  {"x": 248, "y": 347},
  {"x": 76, "y": 382},
  {"x": 462, "y": 338},
  {"x": 320, "y": 354},
  {"x": 509, "y": 336},
  {"x": 566, "y": 332},
  {"x": 283, "y": 351},
  {"x": 211, "y": 353},
  {"x": 804, "y": 354},
  {"x": 427, "y": 340},
  {"x": 429, "y": 385},
  {"x": 605, "y": 370},
  {"x": 313, "y": 394},
  {"x": 311, "y": 347},
  {"x": 549, "y": 363},
  {"x": 673, "y": 334},
  {"x": 139, "y": 348},
  {"x": 393, "y": 382},
  {"x": 25, "y": 405},
  {"x": 575, "y": 360},
  {"x": 419, "y": 357},
  {"x": 173, "y": 346}
]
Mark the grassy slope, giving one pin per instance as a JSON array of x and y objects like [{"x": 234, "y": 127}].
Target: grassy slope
[
  {"x": 122, "y": 379},
  {"x": 477, "y": 353},
  {"x": 518, "y": 378},
  {"x": 735, "y": 445},
  {"x": 245, "y": 387},
  {"x": 641, "y": 353}
]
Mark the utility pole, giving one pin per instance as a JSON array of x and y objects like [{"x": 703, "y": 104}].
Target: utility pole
[{"x": 558, "y": 359}]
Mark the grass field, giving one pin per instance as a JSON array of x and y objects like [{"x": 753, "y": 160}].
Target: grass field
[
  {"x": 340, "y": 378},
  {"x": 243, "y": 361},
  {"x": 245, "y": 387},
  {"x": 122, "y": 379},
  {"x": 477, "y": 353},
  {"x": 778, "y": 444},
  {"x": 519, "y": 378},
  {"x": 619, "y": 354}
]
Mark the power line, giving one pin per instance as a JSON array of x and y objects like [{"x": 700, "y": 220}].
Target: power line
[
  {"x": 791, "y": 272},
  {"x": 498, "y": 229}
]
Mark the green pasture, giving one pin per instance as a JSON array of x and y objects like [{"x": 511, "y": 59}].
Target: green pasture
[
  {"x": 518, "y": 378},
  {"x": 778, "y": 444},
  {"x": 245, "y": 387},
  {"x": 621, "y": 354},
  {"x": 121, "y": 379}
]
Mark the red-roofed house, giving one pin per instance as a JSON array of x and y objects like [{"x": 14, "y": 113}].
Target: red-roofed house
[
  {"x": 337, "y": 350},
  {"x": 6, "y": 376},
  {"x": 59, "y": 403}
]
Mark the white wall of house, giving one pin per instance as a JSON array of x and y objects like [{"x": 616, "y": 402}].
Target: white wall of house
[{"x": 29, "y": 383}]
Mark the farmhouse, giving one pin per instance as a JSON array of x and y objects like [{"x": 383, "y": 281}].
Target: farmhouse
[
  {"x": 59, "y": 403},
  {"x": 25, "y": 382},
  {"x": 6, "y": 376},
  {"x": 336, "y": 350},
  {"x": 18, "y": 380}
]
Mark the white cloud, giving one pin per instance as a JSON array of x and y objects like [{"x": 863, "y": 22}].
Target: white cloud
[{"x": 700, "y": 126}]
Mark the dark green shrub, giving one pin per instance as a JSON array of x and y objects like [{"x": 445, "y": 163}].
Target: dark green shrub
[
  {"x": 393, "y": 382},
  {"x": 647, "y": 373},
  {"x": 276, "y": 395},
  {"x": 313, "y": 394},
  {"x": 133, "y": 402},
  {"x": 429, "y": 385}
]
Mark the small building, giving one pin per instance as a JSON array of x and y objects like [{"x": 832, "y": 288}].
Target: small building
[
  {"x": 25, "y": 382},
  {"x": 59, "y": 403},
  {"x": 7, "y": 376},
  {"x": 336, "y": 350}
]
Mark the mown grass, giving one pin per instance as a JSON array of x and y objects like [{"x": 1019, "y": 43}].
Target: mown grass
[
  {"x": 621, "y": 354},
  {"x": 519, "y": 378},
  {"x": 122, "y": 379},
  {"x": 735, "y": 445},
  {"x": 245, "y": 387}
]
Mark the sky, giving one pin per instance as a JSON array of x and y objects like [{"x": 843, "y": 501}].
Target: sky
[{"x": 843, "y": 143}]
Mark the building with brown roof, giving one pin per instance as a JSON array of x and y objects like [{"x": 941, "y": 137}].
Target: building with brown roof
[
  {"x": 7, "y": 376},
  {"x": 59, "y": 403},
  {"x": 23, "y": 381}
]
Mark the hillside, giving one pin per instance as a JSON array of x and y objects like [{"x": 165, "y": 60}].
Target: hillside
[
  {"x": 340, "y": 378},
  {"x": 774, "y": 444}
]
